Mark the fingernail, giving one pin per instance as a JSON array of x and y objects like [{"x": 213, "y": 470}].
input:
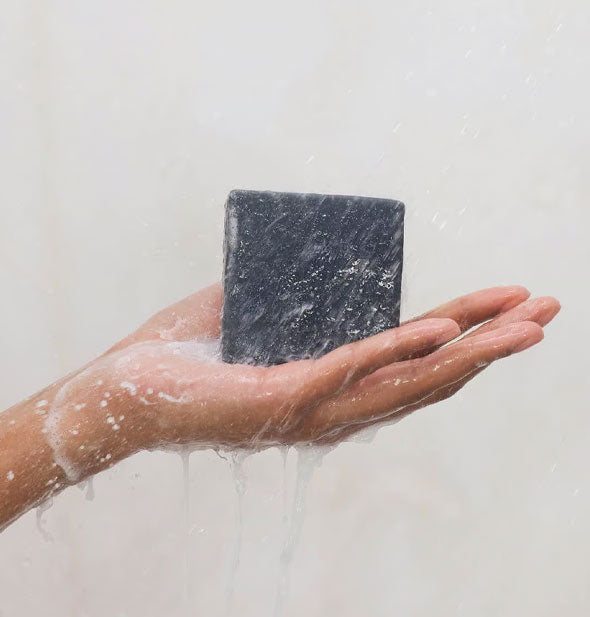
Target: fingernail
[
  {"x": 530, "y": 333},
  {"x": 447, "y": 329},
  {"x": 447, "y": 335},
  {"x": 550, "y": 311},
  {"x": 528, "y": 342},
  {"x": 521, "y": 335},
  {"x": 440, "y": 325},
  {"x": 521, "y": 293}
]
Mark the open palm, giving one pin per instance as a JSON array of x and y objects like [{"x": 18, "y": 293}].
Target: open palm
[
  {"x": 164, "y": 385},
  {"x": 190, "y": 398}
]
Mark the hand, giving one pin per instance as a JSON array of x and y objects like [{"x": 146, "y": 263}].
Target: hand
[
  {"x": 163, "y": 388},
  {"x": 160, "y": 387}
]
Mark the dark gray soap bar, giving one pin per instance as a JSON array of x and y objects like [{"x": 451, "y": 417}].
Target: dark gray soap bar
[{"x": 305, "y": 273}]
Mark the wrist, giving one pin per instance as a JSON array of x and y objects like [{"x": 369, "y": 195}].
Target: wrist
[{"x": 93, "y": 422}]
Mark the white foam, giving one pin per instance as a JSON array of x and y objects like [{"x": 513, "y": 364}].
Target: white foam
[
  {"x": 171, "y": 399},
  {"x": 171, "y": 334},
  {"x": 53, "y": 434},
  {"x": 130, "y": 387}
]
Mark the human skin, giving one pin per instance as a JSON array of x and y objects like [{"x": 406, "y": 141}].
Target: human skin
[{"x": 159, "y": 388}]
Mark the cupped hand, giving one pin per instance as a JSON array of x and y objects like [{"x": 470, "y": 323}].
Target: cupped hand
[
  {"x": 176, "y": 393},
  {"x": 164, "y": 386}
]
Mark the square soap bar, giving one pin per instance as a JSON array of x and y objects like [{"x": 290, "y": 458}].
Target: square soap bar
[{"x": 306, "y": 273}]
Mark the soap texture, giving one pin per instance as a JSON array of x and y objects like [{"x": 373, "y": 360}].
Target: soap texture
[{"x": 305, "y": 273}]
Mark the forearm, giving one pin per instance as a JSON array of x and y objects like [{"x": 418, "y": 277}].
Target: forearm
[
  {"x": 62, "y": 435},
  {"x": 28, "y": 471}
]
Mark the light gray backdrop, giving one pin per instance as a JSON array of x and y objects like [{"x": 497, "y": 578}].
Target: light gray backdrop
[{"x": 124, "y": 124}]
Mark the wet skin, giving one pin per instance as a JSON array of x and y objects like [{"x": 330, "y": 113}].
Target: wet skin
[{"x": 160, "y": 387}]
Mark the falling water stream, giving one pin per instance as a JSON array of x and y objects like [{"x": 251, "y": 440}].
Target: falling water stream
[
  {"x": 236, "y": 460},
  {"x": 309, "y": 458},
  {"x": 185, "y": 454},
  {"x": 41, "y": 509}
]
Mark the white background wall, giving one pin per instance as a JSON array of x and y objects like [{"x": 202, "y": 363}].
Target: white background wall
[{"x": 124, "y": 124}]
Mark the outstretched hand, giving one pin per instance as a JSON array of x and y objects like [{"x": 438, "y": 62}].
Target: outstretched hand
[
  {"x": 182, "y": 396},
  {"x": 164, "y": 386}
]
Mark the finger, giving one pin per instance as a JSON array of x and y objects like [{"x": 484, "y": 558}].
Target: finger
[
  {"x": 400, "y": 386},
  {"x": 198, "y": 316},
  {"x": 540, "y": 310},
  {"x": 341, "y": 367},
  {"x": 470, "y": 310},
  {"x": 344, "y": 433}
]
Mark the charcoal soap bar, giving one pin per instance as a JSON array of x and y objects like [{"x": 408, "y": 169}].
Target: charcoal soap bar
[{"x": 305, "y": 273}]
